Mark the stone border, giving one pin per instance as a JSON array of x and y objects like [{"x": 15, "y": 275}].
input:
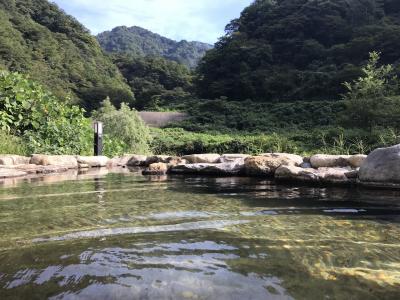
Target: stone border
[{"x": 319, "y": 170}]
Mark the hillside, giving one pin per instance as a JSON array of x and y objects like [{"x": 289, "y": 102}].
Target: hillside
[
  {"x": 56, "y": 50},
  {"x": 299, "y": 49},
  {"x": 141, "y": 42}
]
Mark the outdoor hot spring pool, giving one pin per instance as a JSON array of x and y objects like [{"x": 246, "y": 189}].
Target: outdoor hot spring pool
[{"x": 125, "y": 236}]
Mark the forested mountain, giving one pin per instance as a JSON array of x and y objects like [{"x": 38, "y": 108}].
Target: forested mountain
[
  {"x": 156, "y": 82},
  {"x": 299, "y": 49},
  {"x": 141, "y": 42},
  {"x": 38, "y": 38}
]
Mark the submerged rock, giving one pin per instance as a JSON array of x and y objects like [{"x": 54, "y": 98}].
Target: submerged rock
[
  {"x": 202, "y": 158},
  {"x": 9, "y": 160},
  {"x": 37, "y": 169},
  {"x": 10, "y": 173},
  {"x": 93, "y": 161},
  {"x": 381, "y": 168},
  {"x": 68, "y": 161},
  {"x": 156, "y": 169},
  {"x": 224, "y": 169}
]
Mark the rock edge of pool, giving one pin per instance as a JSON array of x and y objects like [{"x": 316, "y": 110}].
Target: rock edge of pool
[{"x": 380, "y": 169}]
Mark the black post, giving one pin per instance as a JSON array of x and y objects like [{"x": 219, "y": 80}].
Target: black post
[{"x": 98, "y": 138}]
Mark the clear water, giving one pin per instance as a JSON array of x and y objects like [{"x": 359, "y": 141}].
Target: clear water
[{"x": 125, "y": 236}]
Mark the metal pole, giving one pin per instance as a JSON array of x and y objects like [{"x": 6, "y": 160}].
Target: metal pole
[{"x": 98, "y": 138}]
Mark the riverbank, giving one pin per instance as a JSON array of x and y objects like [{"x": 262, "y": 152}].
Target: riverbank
[{"x": 380, "y": 169}]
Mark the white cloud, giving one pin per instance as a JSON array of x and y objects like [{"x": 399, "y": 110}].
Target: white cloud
[{"x": 201, "y": 20}]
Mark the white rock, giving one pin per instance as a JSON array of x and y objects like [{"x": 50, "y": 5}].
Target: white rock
[
  {"x": 224, "y": 169},
  {"x": 329, "y": 161},
  {"x": 9, "y": 160},
  {"x": 68, "y": 161},
  {"x": 202, "y": 158},
  {"x": 357, "y": 160},
  {"x": 93, "y": 161}
]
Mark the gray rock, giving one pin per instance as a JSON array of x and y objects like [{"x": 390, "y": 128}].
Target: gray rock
[
  {"x": 137, "y": 160},
  {"x": 223, "y": 169},
  {"x": 311, "y": 175},
  {"x": 231, "y": 157},
  {"x": 381, "y": 168}
]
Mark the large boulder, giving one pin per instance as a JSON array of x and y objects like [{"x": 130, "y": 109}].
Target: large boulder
[
  {"x": 93, "y": 161},
  {"x": 266, "y": 164},
  {"x": 223, "y": 169},
  {"x": 202, "y": 158},
  {"x": 137, "y": 160},
  {"x": 381, "y": 168},
  {"x": 67, "y": 161},
  {"x": 9, "y": 160}
]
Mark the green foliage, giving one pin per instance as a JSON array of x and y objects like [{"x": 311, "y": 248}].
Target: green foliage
[
  {"x": 141, "y": 42},
  {"x": 176, "y": 141},
  {"x": 10, "y": 144},
  {"x": 252, "y": 117},
  {"x": 155, "y": 81},
  {"x": 47, "y": 124},
  {"x": 124, "y": 130},
  {"x": 39, "y": 39},
  {"x": 374, "y": 99},
  {"x": 297, "y": 49}
]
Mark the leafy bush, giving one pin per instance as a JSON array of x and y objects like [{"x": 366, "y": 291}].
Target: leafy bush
[
  {"x": 124, "y": 130},
  {"x": 10, "y": 144},
  {"x": 373, "y": 99},
  {"x": 47, "y": 125},
  {"x": 176, "y": 141}
]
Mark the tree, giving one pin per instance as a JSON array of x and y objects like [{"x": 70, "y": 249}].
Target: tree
[
  {"x": 125, "y": 132},
  {"x": 374, "y": 99}
]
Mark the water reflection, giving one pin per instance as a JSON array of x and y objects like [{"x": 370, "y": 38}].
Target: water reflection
[{"x": 125, "y": 236}]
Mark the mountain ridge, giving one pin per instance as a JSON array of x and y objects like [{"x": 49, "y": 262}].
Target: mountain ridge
[{"x": 142, "y": 42}]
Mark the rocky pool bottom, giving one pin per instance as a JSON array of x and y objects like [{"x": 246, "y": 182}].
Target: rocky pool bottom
[{"x": 115, "y": 234}]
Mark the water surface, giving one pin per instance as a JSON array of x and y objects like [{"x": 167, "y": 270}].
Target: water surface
[{"x": 124, "y": 236}]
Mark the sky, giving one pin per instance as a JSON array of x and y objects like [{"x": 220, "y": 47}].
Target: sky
[{"x": 192, "y": 20}]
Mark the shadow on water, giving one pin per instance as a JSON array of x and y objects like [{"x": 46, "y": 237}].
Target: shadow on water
[{"x": 278, "y": 198}]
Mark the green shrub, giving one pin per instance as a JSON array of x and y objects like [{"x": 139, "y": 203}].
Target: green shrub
[
  {"x": 10, "y": 144},
  {"x": 124, "y": 130},
  {"x": 176, "y": 141},
  {"x": 47, "y": 124}
]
